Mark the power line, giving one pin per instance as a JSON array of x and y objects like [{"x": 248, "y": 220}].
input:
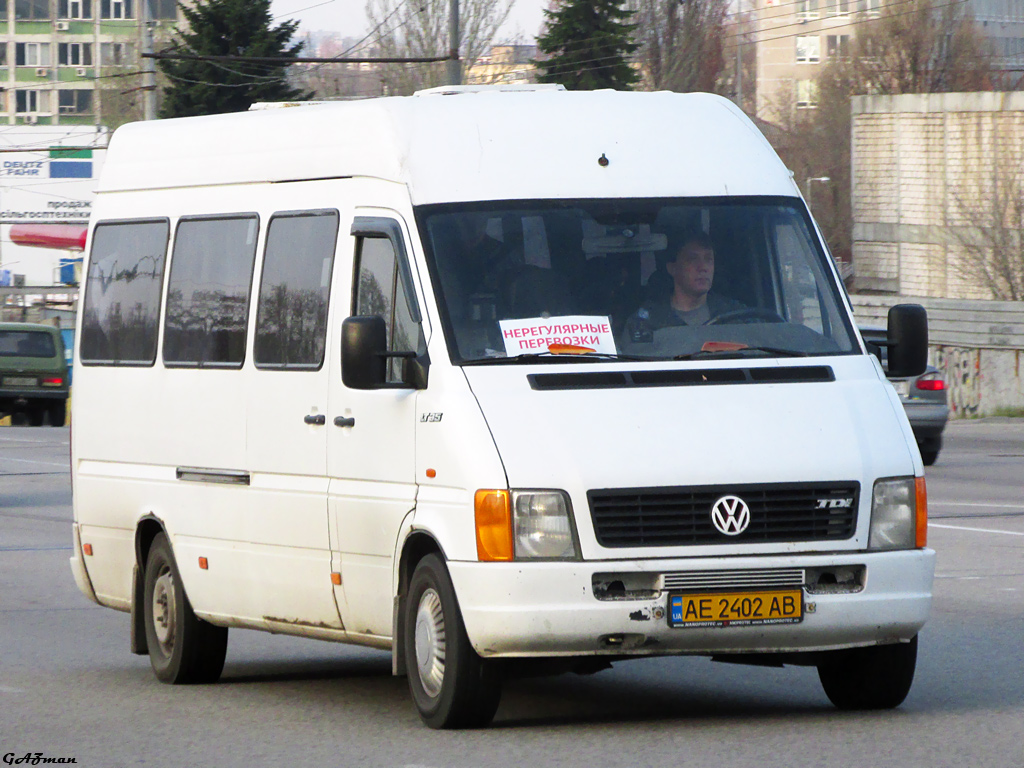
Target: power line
[{"x": 277, "y": 60}]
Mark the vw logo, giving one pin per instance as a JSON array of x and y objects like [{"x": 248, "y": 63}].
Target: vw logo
[{"x": 731, "y": 515}]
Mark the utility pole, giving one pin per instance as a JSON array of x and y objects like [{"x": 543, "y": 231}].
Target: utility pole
[
  {"x": 454, "y": 65},
  {"x": 148, "y": 64},
  {"x": 741, "y": 22}
]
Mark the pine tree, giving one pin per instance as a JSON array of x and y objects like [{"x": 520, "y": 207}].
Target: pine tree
[
  {"x": 587, "y": 42},
  {"x": 228, "y": 28}
]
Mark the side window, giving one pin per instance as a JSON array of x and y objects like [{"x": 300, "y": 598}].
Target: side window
[
  {"x": 381, "y": 291},
  {"x": 208, "y": 291},
  {"x": 121, "y": 309},
  {"x": 291, "y": 316},
  {"x": 799, "y": 287}
]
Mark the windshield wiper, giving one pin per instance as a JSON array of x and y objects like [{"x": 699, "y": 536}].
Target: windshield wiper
[
  {"x": 552, "y": 357},
  {"x": 740, "y": 352}
]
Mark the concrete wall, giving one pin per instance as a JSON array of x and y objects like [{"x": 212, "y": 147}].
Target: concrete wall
[
  {"x": 924, "y": 167},
  {"x": 978, "y": 346}
]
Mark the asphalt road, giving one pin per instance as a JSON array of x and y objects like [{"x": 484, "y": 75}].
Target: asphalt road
[{"x": 69, "y": 688}]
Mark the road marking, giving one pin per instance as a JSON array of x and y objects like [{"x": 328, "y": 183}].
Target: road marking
[
  {"x": 977, "y": 530},
  {"x": 973, "y": 504},
  {"x": 10, "y": 689},
  {"x": 65, "y": 465}
]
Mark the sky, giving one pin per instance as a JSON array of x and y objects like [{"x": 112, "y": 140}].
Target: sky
[{"x": 348, "y": 17}]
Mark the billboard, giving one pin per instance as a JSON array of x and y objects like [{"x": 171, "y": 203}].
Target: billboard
[{"x": 50, "y": 176}]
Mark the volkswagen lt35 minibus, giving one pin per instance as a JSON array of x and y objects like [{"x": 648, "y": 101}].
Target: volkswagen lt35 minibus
[{"x": 414, "y": 373}]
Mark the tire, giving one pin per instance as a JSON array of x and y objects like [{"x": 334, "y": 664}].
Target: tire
[
  {"x": 58, "y": 411},
  {"x": 182, "y": 647},
  {"x": 929, "y": 447},
  {"x": 36, "y": 412},
  {"x": 451, "y": 685},
  {"x": 878, "y": 677}
]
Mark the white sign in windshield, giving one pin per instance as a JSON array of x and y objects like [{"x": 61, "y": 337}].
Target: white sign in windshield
[{"x": 568, "y": 334}]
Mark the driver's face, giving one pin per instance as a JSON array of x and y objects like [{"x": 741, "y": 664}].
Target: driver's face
[{"x": 694, "y": 269}]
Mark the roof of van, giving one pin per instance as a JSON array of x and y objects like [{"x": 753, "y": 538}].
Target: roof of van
[{"x": 454, "y": 145}]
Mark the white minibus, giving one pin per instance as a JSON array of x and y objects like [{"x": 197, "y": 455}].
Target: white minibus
[{"x": 500, "y": 380}]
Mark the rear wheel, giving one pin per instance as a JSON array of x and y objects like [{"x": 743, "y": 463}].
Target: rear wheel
[
  {"x": 36, "y": 412},
  {"x": 878, "y": 677},
  {"x": 58, "y": 411},
  {"x": 930, "y": 448},
  {"x": 452, "y": 686},
  {"x": 182, "y": 647}
]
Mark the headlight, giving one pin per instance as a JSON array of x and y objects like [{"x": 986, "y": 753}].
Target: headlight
[
  {"x": 898, "y": 514},
  {"x": 524, "y": 525},
  {"x": 542, "y": 525}
]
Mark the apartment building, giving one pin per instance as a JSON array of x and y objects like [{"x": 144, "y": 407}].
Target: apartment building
[
  {"x": 58, "y": 56},
  {"x": 796, "y": 38},
  {"x": 505, "y": 63}
]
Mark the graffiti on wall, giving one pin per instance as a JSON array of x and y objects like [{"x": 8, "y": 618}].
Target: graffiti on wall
[{"x": 962, "y": 370}]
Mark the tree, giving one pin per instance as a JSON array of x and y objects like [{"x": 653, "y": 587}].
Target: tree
[
  {"x": 420, "y": 30},
  {"x": 682, "y": 43},
  {"x": 587, "y": 43},
  {"x": 228, "y": 28},
  {"x": 986, "y": 226},
  {"x": 914, "y": 46},
  {"x": 920, "y": 46}
]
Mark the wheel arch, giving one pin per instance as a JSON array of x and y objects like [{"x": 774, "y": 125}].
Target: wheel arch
[
  {"x": 145, "y": 531},
  {"x": 417, "y": 545}
]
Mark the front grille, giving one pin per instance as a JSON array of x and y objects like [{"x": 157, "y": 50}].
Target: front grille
[
  {"x": 679, "y": 516},
  {"x": 718, "y": 581}
]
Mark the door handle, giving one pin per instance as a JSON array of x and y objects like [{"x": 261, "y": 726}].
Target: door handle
[
  {"x": 317, "y": 419},
  {"x": 344, "y": 421}
]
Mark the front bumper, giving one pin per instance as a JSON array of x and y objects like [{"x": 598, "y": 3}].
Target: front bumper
[{"x": 549, "y": 609}]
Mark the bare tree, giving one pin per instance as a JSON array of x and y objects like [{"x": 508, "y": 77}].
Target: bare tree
[
  {"x": 419, "y": 28},
  {"x": 915, "y": 46},
  {"x": 986, "y": 225},
  {"x": 920, "y": 46},
  {"x": 681, "y": 43}
]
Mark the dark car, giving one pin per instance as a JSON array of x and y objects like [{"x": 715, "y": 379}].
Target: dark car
[
  {"x": 33, "y": 374},
  {"x": 924, "y": 398}
]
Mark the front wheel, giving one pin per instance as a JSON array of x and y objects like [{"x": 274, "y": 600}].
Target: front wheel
[
  {"x": 182, "y": 647},
  {"x": 878, "y": 677},
  {"x": 452, "y": 686}
]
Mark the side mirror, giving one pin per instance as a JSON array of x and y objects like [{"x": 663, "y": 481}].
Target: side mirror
[
  {"x": 364, "y": 348},
  {"x": 908, "y": 340}
]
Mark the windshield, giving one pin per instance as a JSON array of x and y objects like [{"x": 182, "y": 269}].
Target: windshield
[{"x": 657, "y": 279}]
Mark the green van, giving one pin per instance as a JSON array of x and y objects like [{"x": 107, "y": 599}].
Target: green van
[{"x": 33, "y": 374}]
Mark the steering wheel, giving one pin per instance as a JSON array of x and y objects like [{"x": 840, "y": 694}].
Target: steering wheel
[{"x": 747, "y": 315}]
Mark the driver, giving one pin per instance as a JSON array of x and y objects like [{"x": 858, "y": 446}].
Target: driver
[{"x": 692, "y": 301}]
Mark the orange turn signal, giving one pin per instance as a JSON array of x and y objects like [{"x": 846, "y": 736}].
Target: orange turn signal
[
  {"x": 921, "y": 539},
  {"x": 336, "y": 578},
  {"x": 204, "y": 564},
  {"x": 493, "y": 512},
  {"x": 87, "y": 549}
]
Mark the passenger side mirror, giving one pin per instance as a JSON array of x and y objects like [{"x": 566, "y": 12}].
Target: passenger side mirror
[
  {"x": 908, "y": 340},
  {"x": 364, "y": 348}
]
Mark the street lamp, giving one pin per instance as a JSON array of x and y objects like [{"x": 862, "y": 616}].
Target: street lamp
[{"x": 822, "y": 179}]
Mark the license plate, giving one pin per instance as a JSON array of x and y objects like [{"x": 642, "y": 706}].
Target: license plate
[
  {"x": 20, "y": 381},
  {"x": 902, "y": 388},
  {"x": 735, "y": 609}
]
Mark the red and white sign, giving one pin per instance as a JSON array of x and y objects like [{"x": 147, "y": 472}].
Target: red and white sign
[{"x": 570, "y": 334}]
